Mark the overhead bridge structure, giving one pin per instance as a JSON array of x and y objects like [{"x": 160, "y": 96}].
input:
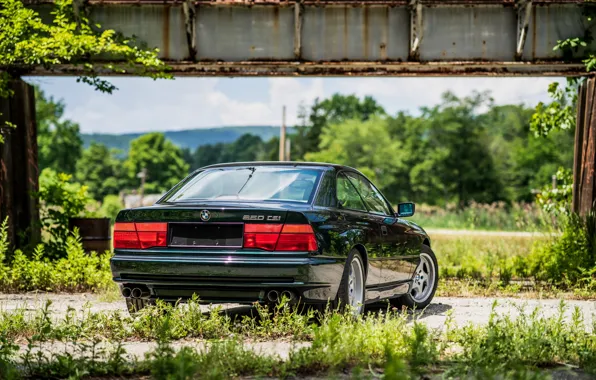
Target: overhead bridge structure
[
  {"x": 322, "y": 38},
  {"x": 346, "y": 37}
]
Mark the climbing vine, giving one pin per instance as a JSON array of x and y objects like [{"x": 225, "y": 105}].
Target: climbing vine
[
  {"x": 560, "y": 112},
  {"x": 26, "y": 43}
]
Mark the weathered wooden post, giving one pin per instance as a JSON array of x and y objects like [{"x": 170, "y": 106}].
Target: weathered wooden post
[{"x": 18, "y": 164}]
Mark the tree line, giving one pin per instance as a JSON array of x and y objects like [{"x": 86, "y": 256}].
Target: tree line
[{"x": 462, "y": 150}]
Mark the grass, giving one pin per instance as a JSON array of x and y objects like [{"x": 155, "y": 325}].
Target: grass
[
  {"x": 494, "y": 217},
  {"x": 383, "y": 344}
]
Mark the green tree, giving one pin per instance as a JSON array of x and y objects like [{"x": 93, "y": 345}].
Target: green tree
[
  {"x": 364, "y": 145},
  {"x": 456, "y": 164},
  {"x": 160, "y": 157},
  {"x": 334, "y": 110},
  {"x": 27, "y": 42},
  {"x": 59, "y": 141},
  {"x": 100, "y": 171},
  {"x": 246, "y": 148}
]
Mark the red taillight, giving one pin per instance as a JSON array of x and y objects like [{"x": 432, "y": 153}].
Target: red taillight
[
  {"x": 140, "y": 235},
  {"x": 263, "y": 236},
  {"x": 277, "y": 237}
]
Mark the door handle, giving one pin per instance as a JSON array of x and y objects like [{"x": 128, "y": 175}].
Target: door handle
[{"x": 384, "y": 230}]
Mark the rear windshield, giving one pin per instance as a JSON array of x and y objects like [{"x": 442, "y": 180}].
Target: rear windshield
[{"x": 258, "y": 183}]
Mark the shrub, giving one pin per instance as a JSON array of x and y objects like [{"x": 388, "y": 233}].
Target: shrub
[
  {"x": 566, "y": 259},
  {"x": 78, "y": 271},
  {"x": 60, "y": 200},
  {"x": 111, "y": 206}
]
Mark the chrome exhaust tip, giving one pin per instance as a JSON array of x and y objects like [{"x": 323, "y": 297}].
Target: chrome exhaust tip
[
  {"x": 126, "y": 292},
  {"x": 273, "y": 296},
  {"x": 288, "y": 295},
  {"x": 136, "y": 293}
]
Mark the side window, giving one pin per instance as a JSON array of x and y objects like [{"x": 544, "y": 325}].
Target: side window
[
  {"x": 371, "y": 196},
  {"x": 347, "y": 194},
  {"x": 326, "y": 195}
]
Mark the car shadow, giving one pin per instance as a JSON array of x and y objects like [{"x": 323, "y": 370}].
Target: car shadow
[
  {"x": 235, "y": 312},
  {"x": 431, "y": 310}
]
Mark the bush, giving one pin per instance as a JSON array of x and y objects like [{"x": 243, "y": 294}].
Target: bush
[
  {"x": 568, "y": 258},
  {"x": 60, "y": 200},
  {"x": 111, "y": 206},
  {"x": 78, "y": 271}
]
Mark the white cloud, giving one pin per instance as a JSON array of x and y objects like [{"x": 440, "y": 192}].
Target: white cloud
[
  {"x": 412, "y": 93},
  {"x": 292, "y": 93},
  {"x": 141, "y": 104}
]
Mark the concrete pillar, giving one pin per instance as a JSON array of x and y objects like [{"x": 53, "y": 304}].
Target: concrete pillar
[{"x": 18, "y": 165}]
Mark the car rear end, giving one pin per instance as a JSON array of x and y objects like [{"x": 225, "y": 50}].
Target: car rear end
[{"x": 241, "y": 250}]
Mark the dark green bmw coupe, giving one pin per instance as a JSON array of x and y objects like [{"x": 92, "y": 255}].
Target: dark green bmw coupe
[{"x": 261, "y": 231}]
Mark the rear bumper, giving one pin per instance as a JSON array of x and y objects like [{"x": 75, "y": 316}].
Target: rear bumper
[{"x": 228, "y": 276}]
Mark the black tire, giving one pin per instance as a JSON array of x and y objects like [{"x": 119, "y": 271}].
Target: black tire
[
  {"x": 408, "y": 300},
  {"x": 342, "y": 299},
  {"x": 135, "y": 305}
]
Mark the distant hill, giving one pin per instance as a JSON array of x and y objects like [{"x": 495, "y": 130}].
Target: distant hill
[{"x": 190, "y": 138}]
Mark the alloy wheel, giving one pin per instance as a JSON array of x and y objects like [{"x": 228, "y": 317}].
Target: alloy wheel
[
  {"x": 356, "y": 286},
  {"x": 424, "y": 279}
]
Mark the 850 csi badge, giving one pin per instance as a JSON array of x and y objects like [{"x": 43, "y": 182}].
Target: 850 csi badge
[{"x": 205, "y": 215}]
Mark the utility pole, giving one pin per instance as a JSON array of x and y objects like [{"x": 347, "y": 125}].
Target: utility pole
[
  {"x": 288, "y": 146},
  {"x": 282, "y": 136}
]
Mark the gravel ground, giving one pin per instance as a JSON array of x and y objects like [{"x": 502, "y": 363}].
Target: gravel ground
[{"x": 464, "y": 310}]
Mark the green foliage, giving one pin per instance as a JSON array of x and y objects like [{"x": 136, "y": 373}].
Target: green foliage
[
  {"x": 558, "y": 201},
  {"x": 162, "y": 160},
  {"x": 60, "y": 200},
  {"x": 498, "y": 216},
  {"x": 111, "y": 206},
  {"x": 59, "y": 141},
  {"x": 518, "y": 347},
  {"x": 335, "y": 110},
  {"x": 558, "y": 114},
  {"x": 568, "y": 259},
  {"x": 78, "y": 271},
  {"x": 524, "y": 343},
  {"x": 366, "y": 146},
  {"x": 100, "y": 171},
  {"x": 246, "y": 148},
  {"x": 27, "y": 42}
]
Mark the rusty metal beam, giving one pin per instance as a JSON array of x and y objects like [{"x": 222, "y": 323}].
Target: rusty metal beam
[
  {"x": 332, "y": 37},
  {"x": 415, "y": 29},
  {"x": 191, "y": 32},
  {"x": 524, "y": 10},
  {"x": 298, "y": 19},
  {"x": 276, "y": 68}
]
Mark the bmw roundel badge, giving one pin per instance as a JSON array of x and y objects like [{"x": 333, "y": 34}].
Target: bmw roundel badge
[{"x": 205, "y": 215}]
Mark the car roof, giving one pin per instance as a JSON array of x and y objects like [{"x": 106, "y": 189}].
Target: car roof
[{"x": 280, "y": 163}]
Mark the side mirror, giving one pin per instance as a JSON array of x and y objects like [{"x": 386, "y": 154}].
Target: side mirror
[{"x": 405, "y": 209}]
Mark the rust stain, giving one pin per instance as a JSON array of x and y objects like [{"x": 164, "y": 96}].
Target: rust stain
[
  {"x": 534, "y": 34},
  {"x": 345, "y": 52},
  {"x": 275, "y": 20},
  {"x": 365, "y": 32},
  {"x": 166, "y": 31},
  {"x": 383, "y": 51}
]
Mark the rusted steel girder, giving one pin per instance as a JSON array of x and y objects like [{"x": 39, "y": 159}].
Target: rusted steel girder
[
  {"x": 325, "y": 37},
  {"x": 355, "y": 69}
]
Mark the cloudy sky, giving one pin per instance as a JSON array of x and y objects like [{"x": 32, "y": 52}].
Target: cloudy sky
[{"x": 142, "y": 104}]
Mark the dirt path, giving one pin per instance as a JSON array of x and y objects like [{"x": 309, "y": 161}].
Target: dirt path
[{"x": 463, "y": 310}]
